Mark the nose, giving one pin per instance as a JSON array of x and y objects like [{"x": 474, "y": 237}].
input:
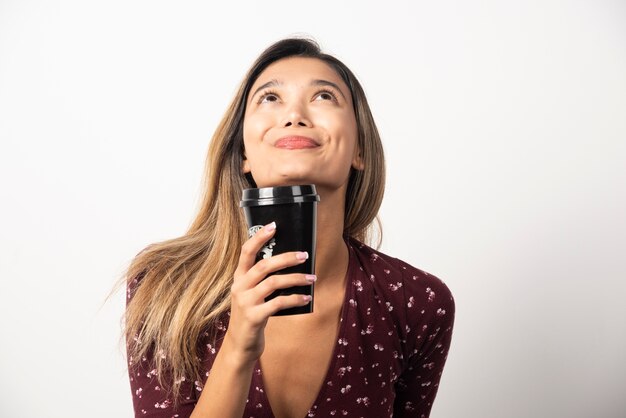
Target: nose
[{"x": 296, "y": 115}]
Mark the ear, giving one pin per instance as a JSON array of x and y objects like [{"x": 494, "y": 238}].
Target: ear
[
  {"x": 245, "y": 166},
  {"x": 357, "y": 161}
]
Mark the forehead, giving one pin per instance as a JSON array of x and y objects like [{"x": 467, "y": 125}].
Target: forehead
[{"x": 300, "y": 70}]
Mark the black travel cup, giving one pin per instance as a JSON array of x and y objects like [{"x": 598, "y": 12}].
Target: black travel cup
[{"x": 294, "y": 209}]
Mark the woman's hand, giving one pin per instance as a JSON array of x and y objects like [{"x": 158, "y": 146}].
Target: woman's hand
[{"x": 249, "y": 311}]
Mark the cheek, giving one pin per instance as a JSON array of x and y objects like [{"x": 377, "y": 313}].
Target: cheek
[
  {"x": 254, "y": 126},
  {"x": 344, "y": 127},
  {"x": 254, "y": 129},
  {"x": 248, "y": 129}
]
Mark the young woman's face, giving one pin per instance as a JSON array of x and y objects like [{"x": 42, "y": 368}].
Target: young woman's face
[{"x": 299, "y": 126}]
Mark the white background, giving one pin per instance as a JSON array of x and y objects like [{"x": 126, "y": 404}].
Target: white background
[{"x": 504, "y": 125}]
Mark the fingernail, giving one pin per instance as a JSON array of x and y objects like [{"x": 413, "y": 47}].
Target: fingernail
[
  {"x": 307, "y": 298},
  {"x": 303, "y": 255},
  {"x": 269, "y": 228},
  {"x": 310, "y": 278}
]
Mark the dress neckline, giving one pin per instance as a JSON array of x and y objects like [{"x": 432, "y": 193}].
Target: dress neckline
[{"x": 340, "y": 334}]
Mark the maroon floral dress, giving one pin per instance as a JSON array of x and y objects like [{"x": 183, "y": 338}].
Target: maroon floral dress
[{"x": 394, "y": 336}]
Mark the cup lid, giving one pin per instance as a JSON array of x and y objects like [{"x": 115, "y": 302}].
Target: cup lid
[{"x": 278, "y": 195}]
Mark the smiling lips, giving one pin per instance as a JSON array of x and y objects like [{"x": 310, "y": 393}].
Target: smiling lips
[{"x": 296, "y": 142}]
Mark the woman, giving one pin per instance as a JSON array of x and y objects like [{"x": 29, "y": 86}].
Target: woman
[{"x": 202, "y": 342}]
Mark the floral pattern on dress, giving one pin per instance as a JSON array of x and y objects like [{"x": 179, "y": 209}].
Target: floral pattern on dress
[{"x": 394, "y": 337}]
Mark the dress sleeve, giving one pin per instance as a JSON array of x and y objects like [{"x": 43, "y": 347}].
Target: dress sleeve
[
  {"x": 149, "y": 399},
  {"x": 417, "y": 387}
]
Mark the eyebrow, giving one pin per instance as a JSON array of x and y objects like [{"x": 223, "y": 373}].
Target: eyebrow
[{"x": 276, "y": 83}]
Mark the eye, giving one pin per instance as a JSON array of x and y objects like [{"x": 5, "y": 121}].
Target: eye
[
  {"x": 270, "y": 95},
  {"x": 327, "y": 95}
]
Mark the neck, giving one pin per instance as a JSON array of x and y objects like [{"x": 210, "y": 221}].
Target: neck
[{"x": 331, "y": 258}]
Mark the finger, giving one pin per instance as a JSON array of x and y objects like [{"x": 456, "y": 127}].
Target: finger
[
  {"x": 267, "y": 266},
  {"x": 279, "y": 303},
  {"x": 281, "y": 281},
  {"x": 251, "y": 248}
]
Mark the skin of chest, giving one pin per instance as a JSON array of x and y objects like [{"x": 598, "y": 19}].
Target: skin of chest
[{"x": 298, "y": 352}]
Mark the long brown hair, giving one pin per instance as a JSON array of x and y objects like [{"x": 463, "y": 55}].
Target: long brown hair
[{"x": 185, "y": 282}]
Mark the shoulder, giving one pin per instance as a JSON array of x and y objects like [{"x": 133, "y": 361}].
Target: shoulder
[
  {"x": 136, "y": 273},
  {"x": 392, "y": 274},
  {"x": 132, "y": 284},
  {"x": 425, "y": 288},
  {"x": 418, "y": 297}
]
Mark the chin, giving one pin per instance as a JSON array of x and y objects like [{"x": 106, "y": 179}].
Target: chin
[
  {"x": 296, "y": 177},
  {"x": 290, "y": 181},
  {"x": 320, "y": 184},
  {"x": 288, "y": 178}
]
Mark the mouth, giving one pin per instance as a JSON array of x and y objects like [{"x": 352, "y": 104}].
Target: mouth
[{"x": 296, "y": 142}]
